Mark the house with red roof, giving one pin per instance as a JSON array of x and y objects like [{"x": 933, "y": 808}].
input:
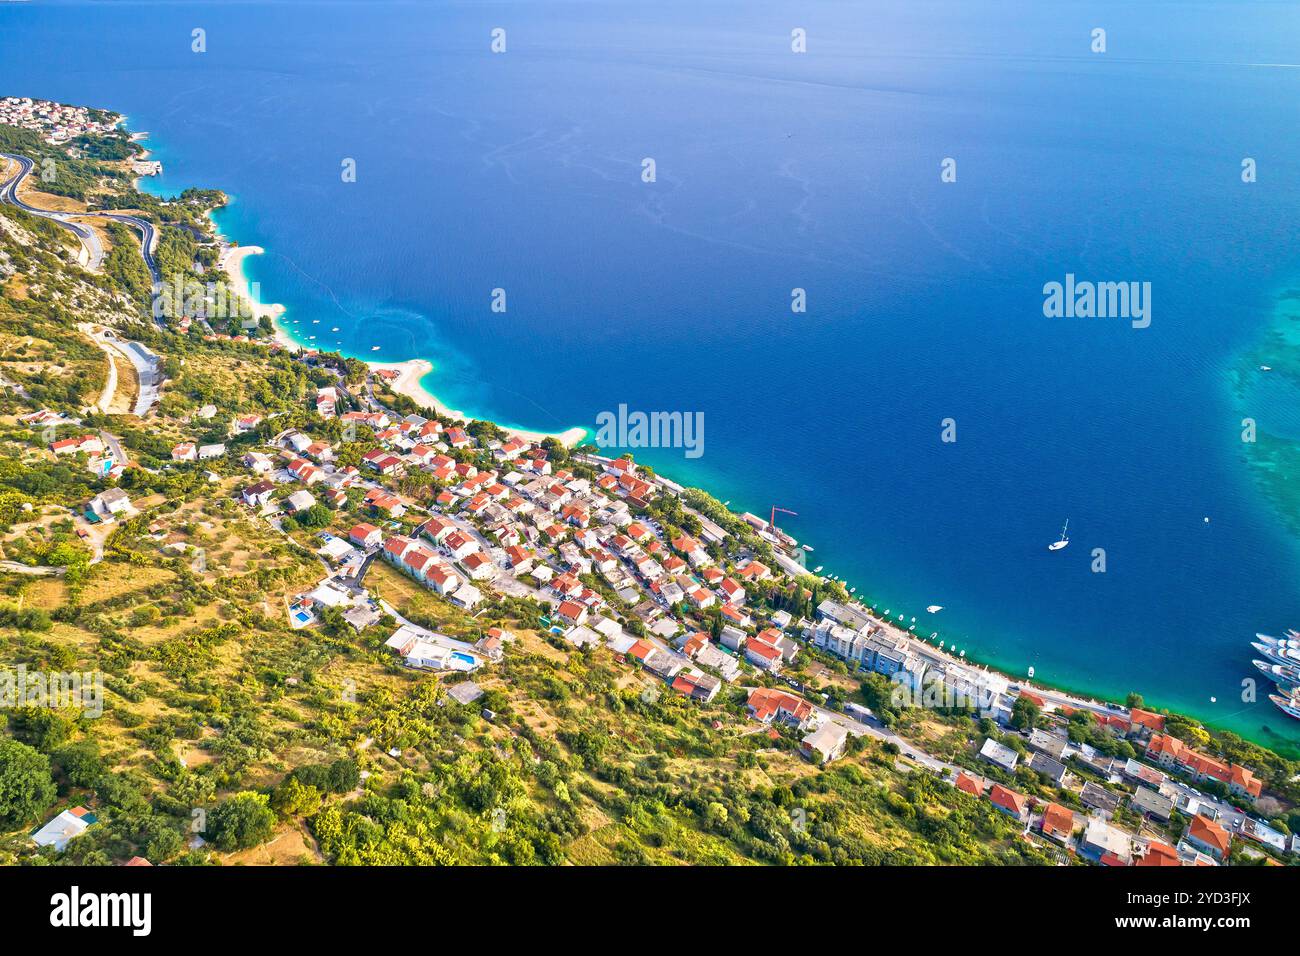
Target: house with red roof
[
  {"x": 1144, "y": 722},
  {"x": 641, "y": 651},
  {"x": 1208, "y": 837},
  {"x": 90, "y": 444},
  {"x": 768, "y": 704},
  {"x": 519, "y": 558},
  {"x": 1244, "y": 783},
  {"x": 442, "y": 578},
  {"x": 732, "y": 592},
  {"x": 763, "y": 656},
  {"x": 1159, "y": 854},
  {"x": 968, "y": 784},
  {"x": 365, "y": 535},
  {"x": 380, "y": 500},
  {"x": 1058, "y": 823},
  {"x": 459, "y": 544},
  {"x": 574, "y": 613},
  {"x": 1008, "y": 801},
  {"x": 1166, "y": 750},
  {"x": 395, "y": 547},
  {"x": 701, "y": 687},
  {"x": 479, "y": 566}
]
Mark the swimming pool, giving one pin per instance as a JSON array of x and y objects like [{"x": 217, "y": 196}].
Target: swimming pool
[{"x": 462, "y": 662}]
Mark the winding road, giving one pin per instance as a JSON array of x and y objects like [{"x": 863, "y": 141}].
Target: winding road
[{"x": 89, "y": 239}]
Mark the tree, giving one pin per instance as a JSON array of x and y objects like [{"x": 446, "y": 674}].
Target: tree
[
  {"x": 26, "y": 786},
  {"x": 295, "y": 799},
  {"x": 80, "y": 763},
  {"x": 1024, "y": 714},
  {"x": 317, "y": 516},
  {"x": 43, "y": 728},
  {"x": 244, "y": 820},
  {"x": 165, "y": 844}
]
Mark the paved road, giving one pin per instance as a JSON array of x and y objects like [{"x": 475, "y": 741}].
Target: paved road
[
  {"x": 88, "y": 237},
  {"x": 9, "y": 196},
  {"x": 147, "y": 368},
  {"x": 112, "y": 443},
  {"x": 148, "y": 371}
]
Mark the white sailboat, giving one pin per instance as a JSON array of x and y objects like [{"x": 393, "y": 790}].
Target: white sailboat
[{"x": 1065, "y": 538}]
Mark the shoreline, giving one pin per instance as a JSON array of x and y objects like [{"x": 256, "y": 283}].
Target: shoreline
[
  {"x": 409, "y": 383},
  {"x": 411, "y": 372}
]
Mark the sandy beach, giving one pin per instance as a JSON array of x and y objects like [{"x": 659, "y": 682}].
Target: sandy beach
[
  {"x": 232, "y": 264},
  {"x": 412, "y": 371},
  {"x": 409, "y": 372}
]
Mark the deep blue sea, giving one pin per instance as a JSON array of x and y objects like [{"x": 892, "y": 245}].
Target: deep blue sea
[{"x": 821, "y": 171}]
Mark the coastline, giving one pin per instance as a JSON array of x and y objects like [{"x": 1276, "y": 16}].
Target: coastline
[
  {"x": 410, "y": 372},
  {"x": 409, "y": 383}
]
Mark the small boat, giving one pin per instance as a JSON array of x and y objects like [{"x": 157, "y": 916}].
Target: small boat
[
  {"x": 935, "y": 608},
  {"x": 374, "y": 348},
  {"x": 807, "y": 547},
  {"x": 335, "y": 329},
  {"x": 1286, "y": 676},
  {"x": 1065, "y": 538},
  {"x": 853, "y": 590},
  {"x": 1266, "y": 368},
  {"x": 1291, "y": 640},
  {"x": 1286, "y": 656},
  {"x": 1287, "y": 705},
  {"x": 817, "y": 570}
]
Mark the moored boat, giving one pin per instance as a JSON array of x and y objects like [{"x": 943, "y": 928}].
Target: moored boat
[
  {"x": 1286, "y": 676},
  {"x": 1286, "y": 656},
  {"x": 1292, "y": 639},
  {"x": 1287, "y": 705}
]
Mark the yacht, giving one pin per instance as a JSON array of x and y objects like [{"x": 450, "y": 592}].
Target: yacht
[
  {"x": 1287, "y": 705},
  {"x": 1065, "y": 538},
  {"x": 1286, "y": 656},
  {"x": 935, "y": 608},
  {"x": 1286, "y": 676},
  {"x": 1292, "y": 639}
]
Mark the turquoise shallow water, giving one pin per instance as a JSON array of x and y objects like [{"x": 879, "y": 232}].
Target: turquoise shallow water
[{"x": 778, "y": 171}]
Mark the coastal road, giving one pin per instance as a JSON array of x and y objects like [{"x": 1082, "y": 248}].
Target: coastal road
[
  {"x": 148, "y": 239},
  {"x": 9, "y": 197},
  {"x": 88, "y": 237}
]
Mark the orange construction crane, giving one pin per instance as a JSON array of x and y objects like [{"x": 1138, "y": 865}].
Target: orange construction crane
[{"x": 771, "y": 522}]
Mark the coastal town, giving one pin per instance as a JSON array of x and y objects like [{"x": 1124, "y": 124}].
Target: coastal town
[
  {"x": 466, "y": 547},
  {"x": 56, "y": 122},
  {"x": 692, "y": 613}
]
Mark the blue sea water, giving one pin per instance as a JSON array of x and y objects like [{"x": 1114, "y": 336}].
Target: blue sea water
[{"x": 819, "y": 171}]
